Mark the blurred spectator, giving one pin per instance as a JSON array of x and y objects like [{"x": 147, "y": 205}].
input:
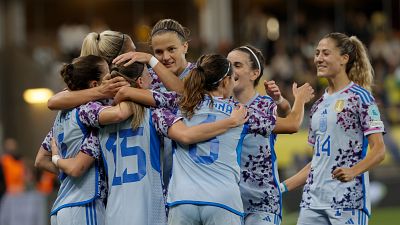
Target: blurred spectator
[
  {"x": 358, "y": 25},
  {"x": 2, "y": 183},
  {"x": 255, "y": 29},
  {"x": 12, "y": 167},
  {"x": 281, "y": 64},
  {"x": 24, "y": 208},
  {"x": 45, "y": 183}
]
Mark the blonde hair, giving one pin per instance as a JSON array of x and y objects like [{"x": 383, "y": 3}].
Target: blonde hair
[
  {"x": 131, "y": 73},
  {"x": 107, "y": 44},
  {"x": 358, "y": 68}
]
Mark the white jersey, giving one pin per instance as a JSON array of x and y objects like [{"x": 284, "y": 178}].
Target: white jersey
[
  {"x": 132, "y": 159},
  {"x": 259, "y": 181},
  {"x": 70, "y": 133},
  {"x": 166, "y": 144},
  {"x": 340, "y": 124},
  {"x": 207, "y": 173},
  {"x": 156, "y": 83}
]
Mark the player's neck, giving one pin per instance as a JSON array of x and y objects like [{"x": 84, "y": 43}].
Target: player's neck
[
  {"x": 338, "y": 83},
  {"x": 245, "y": 95},
  {"x": 180, "y": 70},
  {"x": 217, "y": 93}
]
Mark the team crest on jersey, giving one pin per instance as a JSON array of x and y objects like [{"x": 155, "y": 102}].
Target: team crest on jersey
[
  {"x": 373, "y": 112},
  {"x": 323, "y": 121},
  {"x": 339, "y": 105}
]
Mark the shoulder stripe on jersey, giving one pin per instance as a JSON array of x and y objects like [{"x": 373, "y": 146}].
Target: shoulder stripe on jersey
[
  {"x": 362, "y": 96},
  {"x": 366, "y": 96},
  {"x": 81, "y": 125},
  {"x": 367, "y": 93},
  {"x": 359, "y": 94}
]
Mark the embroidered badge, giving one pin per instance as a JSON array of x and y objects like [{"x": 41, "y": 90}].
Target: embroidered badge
[
  {"x": 323, "y": 121},
  {"x": 339, "y": 106},
  {"x": 373, "y": 112}
]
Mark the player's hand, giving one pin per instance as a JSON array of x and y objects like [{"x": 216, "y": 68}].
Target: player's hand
[
  {"x": 131, "y": 57},
  {"x": 110, "y": 86},
  {"x": 239, "y": 115},
  {"x": 343, "y": 174},
  {"x": 54, "y": 148},
  {"x": 122, "y": 95},
  {"x": 272, "y": 90},
  {"x": 304, "y": 92}
]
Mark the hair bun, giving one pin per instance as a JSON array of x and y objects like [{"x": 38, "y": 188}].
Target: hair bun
[{"x": 69, "y": 68}]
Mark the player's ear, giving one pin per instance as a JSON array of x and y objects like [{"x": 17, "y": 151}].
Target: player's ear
[{"x": 93, "y": 83}]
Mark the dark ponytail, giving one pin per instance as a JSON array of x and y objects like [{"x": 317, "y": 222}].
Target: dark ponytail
[
  {"x": 193, "y": 92},
  {"x": 206, "y": 77}
]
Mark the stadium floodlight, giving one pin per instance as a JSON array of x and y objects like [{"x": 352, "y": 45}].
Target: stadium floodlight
[{"x": 37, "y": 95}]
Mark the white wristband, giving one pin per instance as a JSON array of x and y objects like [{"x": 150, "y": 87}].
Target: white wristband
[
  {"x": 282, "y": 187},
  {"x": 55, "y": 159},
  {"x": 153, "y": 61},
  {"x": 280, "y": 100}
]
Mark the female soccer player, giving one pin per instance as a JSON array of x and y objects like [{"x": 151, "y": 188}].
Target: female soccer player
[
  {"x": 198, "y": 169},
  {"x": 81, "y": 192},
  {"x": 344, "y": 121},
  {"x": 131, "y": 150},
  {"x": 259, "y": 184},
  {"x": 169, "y": 41}
]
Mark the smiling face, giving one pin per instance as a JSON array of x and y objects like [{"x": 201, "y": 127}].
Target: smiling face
[
  {"x": 328, "y": 60},
  {"x": 170, "y": 51},
  {"x": 243, "y": 74}
]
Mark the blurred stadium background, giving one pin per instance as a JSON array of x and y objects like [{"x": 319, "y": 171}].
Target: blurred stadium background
[{"x": 37, "y": 36}]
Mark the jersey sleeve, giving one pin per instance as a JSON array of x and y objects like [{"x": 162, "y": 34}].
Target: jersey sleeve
[
  {"x": 370, "y": 118},
  {"x": 91, "y": 144},
  {"x": 89, "y": 113},
  {"x": 156, "y": 82},
  {"x": 262, "y": 117},
  {"x": 163, "y": 119},
  {"x": 311, "y": 135},
  {"x": 46, "y": 142},
  {"x": 311, "y": 132},
  {"x": 168, "y": 100}
]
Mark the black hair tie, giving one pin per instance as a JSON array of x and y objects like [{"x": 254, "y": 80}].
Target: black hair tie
[{"x": 200, "y": 69}]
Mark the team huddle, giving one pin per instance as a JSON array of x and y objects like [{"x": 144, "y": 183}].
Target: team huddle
[{"x": 153, "y": 139}]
